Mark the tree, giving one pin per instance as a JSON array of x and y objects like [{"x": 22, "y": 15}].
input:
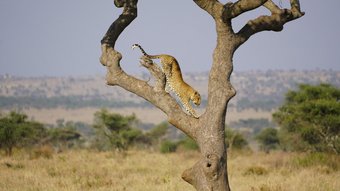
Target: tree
[
  {"x": 64, "y": 137},
  {"x": 17, "y": 132},
  {"x": 209, "y": 173},
  {"x": 188, "y": 144},
  {"x": 309, "y": 118},
  {"x": 268, "y": 139},
  {"x": 168, "y": 146},
  {"x": 118, "y": 129},
  {"x": 234, "y": 139},
  {"x": 157, "y": 133}
]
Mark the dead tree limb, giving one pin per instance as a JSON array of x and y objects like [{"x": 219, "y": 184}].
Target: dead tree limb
[{"x": 273, "y": 22}]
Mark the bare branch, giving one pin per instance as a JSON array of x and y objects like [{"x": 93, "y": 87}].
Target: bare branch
[
  {"x": 209, "y": 5},
  {"x": 274, "y": 22},
  {"x": 242, "y": 6},
  {"x": 272, "y": 7},
  {"x": 117, "y": 27},
  {"x": 295, "y": 5},
  {"x": 119, "y": 3}
]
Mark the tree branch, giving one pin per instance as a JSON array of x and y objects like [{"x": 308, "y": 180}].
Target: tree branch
[
  {"x": 272, "y": 7},
  {"x": 295, "y": 5},
  {"x": 117, "y": 27},
  {"x": 116, "y": 76},
  {"x": 155, "y": 95},
  {"x": 119, "y": 3},
  {"x": 209, "y": 5},
  {"x": 274, "y": 22},
  {"x": 242, "y": 6}
]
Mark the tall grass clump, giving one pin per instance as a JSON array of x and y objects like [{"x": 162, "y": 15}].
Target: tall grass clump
[{"x": 331, "y": 161}]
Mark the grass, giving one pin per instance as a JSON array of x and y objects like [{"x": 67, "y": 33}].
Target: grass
[{"x": 143, "y": 170}]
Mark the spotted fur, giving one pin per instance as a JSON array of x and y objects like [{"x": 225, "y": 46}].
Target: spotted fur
[{"x": 175, "y": 82}]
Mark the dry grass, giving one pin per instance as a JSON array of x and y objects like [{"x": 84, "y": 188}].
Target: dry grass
[{"x": 142, "y": 170}]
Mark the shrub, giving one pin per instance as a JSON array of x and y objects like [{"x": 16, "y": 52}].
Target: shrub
[
  {"x": 168, "y": 147},
  {"x": 268, "y": 139},
  {"x": 235, "y": 139},
  {"x": 188, "y": 144},
  {"x": 18, "y": 132},
  {"x": 255, "y": 170},
  {"x": 118, "y": 129}
]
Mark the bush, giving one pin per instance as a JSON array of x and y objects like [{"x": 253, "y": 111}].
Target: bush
[
  {"x": 235, "y": 140},
  {"x": 119, "y": 130},
  {"x": 18, "y": 132},
  {"x": 268, "y": 139},
  {"x": 168, "y": 147},
  {"x": 255, "y": 170},
  {"x": 188, "y": 144}
]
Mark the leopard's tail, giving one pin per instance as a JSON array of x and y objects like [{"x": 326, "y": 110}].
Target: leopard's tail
[{"x": 144, "y": 53}]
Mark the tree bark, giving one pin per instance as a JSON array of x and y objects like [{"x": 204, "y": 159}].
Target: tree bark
[{"x": 210, "y": 172}]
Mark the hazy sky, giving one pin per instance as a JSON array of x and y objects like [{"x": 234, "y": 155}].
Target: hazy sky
[{"x": 58, "y": 38}]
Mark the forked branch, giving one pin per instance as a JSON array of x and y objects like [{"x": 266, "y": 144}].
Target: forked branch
[
  {"x": 117, "y": 77},
  {"x": 273, "y": 22},
  {"x": 209, "y": 6}
]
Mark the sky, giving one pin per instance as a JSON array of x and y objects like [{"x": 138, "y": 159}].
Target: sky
[{"x": 62, "y": 38}]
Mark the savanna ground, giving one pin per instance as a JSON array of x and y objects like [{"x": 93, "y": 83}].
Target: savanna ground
[{"x": 153, "y": 171}]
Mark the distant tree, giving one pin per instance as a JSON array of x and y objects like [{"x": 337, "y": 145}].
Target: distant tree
[
  {"x": 64, "y": 137},
  {"x": 17, "y": 132},
  {"x": 309, "y": 118},
  {"x": 234, "y": 140},
  {"x": 188, "y": 143},
  {"x": 60, "y": 122},
  {"x": 268, "y": 139},
  {"x": 119, "y": 130},
  {"x": 168, "y": 146},
  {"x": 157, "y": 134}
]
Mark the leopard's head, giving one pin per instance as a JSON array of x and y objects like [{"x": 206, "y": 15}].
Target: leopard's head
[{"x": 196, "y": 98}]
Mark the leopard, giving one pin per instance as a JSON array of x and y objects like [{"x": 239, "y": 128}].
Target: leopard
[{"x": 175, "y": 82}]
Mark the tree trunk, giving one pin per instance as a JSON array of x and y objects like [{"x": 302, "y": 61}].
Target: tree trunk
[{"x": 210, "y": 173}]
